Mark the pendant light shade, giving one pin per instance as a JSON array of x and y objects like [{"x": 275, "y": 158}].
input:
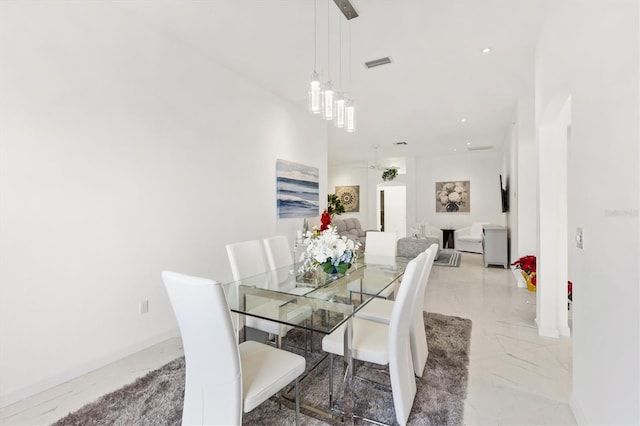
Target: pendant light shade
[
  {"x": 350, "y": 116},
  {"x": 339, "y": 112},
  {"x": 327, "y": 101},
  {"x": 315, "y": 101}
]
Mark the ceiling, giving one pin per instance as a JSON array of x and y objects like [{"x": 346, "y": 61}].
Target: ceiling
[{"x": 438, "y": 75}]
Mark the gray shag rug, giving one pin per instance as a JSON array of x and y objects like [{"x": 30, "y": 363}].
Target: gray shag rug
[
  {"x": 448, "y": 258},
  {"x": 156, "y": 399}
]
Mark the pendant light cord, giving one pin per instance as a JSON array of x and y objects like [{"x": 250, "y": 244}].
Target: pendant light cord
[
  {"x": 349, "y": 56},
  {"x": 328, "y": 42},
  {"x": 340, "y": 53},
  {"x": 315, "y": 35}
]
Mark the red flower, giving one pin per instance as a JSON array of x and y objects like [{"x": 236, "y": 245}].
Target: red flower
[
  {"x": 526, "y": 263},
  {"x": 325, "y": 221}
]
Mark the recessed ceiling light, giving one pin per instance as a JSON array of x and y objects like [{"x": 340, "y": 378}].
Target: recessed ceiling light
[
  {"x": 463, "y": 120},
  {"x": 486, "y": 50},
  {"x": 468, "y": 143}
]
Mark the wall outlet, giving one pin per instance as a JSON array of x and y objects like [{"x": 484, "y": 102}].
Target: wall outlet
[{"x": 144, "y": 307}]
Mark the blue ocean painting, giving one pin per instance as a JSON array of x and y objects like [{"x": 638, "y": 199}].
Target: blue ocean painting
[{"x": 298, "y": 190}]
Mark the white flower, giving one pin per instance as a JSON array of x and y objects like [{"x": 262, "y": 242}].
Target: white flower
[
  {"x": 454, "y": 197},
  {"x": 444, "y": 199},
  {"x": 459, "y": 189},
  {"x": 327, "y": 248}
]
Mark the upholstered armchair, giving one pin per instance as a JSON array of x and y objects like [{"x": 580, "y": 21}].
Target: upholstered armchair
[{"x": 469, "y": 238}]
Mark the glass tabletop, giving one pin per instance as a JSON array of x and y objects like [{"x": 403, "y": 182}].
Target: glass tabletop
[{"x": 318, "y": 302}]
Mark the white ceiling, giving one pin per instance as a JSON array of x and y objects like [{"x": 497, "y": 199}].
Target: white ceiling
[{"x": 438, "y": 75}]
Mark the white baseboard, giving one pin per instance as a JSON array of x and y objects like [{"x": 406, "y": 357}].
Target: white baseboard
[
  {"x": 79, "y": 370},
  {"x": 577, "y": 410}
]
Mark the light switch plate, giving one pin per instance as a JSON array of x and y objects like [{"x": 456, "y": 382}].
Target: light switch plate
[{"x": 579, "y": 238}]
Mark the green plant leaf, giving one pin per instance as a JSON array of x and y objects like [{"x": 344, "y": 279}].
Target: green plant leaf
[
  {"x": 327, "y": 267},
  {"x": 342, "y": 268}
]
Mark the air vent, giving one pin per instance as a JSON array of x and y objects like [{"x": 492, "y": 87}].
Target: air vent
[
  {"x": 479, "y": 148},
  {"x": 400, "y": 143},
  {"x": 378, "y": 62}
]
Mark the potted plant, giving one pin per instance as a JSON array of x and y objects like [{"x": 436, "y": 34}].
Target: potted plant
[
  {"x": 334, "y": 205},
  {"x": 390, "y": 173}
]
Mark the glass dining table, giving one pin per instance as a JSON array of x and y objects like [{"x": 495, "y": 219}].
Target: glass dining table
[{"x": 317, "y": 302}]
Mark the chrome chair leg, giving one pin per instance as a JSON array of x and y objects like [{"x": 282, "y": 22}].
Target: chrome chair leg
[
  {"x": 297, "y": 401},
  {"x": 330, "y": 382}
]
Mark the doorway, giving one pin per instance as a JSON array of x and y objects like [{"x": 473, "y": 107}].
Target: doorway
[{"x": 392, "y": 209}]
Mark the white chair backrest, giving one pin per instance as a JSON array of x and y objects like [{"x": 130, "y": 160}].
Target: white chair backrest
[
  {"x": 403, "y": 382},
  {"x": 279, "y": 255},
  {"x": 419, "y": 348},
  {"x": 213, "y": 383},
  {"x": 246, "y": 259},
  {"x": 381, "y": 243}
]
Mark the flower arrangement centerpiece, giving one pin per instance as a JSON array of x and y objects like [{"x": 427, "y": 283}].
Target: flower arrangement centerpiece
[{"x": 327, "y": 250}]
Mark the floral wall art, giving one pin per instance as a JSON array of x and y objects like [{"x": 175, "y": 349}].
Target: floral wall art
[
  {"x": 453, "y": 197},
  {"x": 350, "y": 197},
  {"x": 298, "y": 189}
]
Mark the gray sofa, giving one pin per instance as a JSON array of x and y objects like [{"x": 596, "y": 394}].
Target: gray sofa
[{"x": 351, "y": 228}]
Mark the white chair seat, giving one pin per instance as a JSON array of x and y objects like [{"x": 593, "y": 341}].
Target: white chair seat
[
  {"x": 272, "y": 309},
  {"x": 378, "y": 310},
  {"x": 266, "y": 370},
  {"x": 370, "y": 341}
]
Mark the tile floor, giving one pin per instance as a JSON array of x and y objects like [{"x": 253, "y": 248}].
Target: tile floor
[{"x": 515, "y": 376}]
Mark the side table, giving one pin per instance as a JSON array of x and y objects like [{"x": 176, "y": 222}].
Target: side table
[{"x": 447, "y": 238}]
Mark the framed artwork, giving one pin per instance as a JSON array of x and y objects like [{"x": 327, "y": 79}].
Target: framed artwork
[
  {"x": 350, "y": 197},
  {"x": 453, "y": 197},
  {"x": 298, "y": 191}
]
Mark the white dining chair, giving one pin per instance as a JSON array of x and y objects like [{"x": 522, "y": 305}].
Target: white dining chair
[
  {"x": 223, "y": 379},
  {"x": 384, "y": 344},
  {"x": 247, "y": 260},
  {"x": 381, "y": 246},
  {"x": 380, "y": 310},
  {"x": 279, "y": 256}
]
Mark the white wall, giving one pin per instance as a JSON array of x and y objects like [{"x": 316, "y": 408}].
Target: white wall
[
  {"x": 123, "y": 153},
  {"x": 589, "y": 50},
  {"x": 521, "y": 165},
  {"x": 481, "y": 168}
]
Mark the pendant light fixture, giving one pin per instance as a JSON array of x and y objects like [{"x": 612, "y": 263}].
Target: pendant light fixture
[
  {"x": 327, "y": 90},
  {"x": 350, "y": 107},
  {"x": 314, "y": 91}
]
